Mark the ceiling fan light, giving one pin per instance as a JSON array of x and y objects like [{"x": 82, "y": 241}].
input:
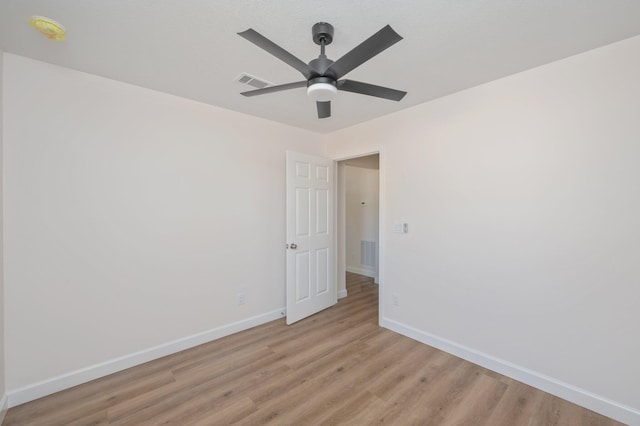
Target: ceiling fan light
[{"x": 322, "y": 92}]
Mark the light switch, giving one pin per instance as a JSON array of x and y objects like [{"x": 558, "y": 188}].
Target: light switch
[{"x": 400, "y": 228}]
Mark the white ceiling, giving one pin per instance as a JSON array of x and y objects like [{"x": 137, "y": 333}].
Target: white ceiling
[{"x": 190, "y": 48}]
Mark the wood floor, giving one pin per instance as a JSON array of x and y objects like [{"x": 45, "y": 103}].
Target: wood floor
[{"x": 337, "y": 367}]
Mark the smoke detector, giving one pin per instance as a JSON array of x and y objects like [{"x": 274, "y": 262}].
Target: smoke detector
[{"x": 50, "y": 28}]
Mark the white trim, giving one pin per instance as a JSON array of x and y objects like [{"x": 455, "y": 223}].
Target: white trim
[
  {"x": 367, "y": 272},
  {"x": 382, "y": 217},
  {"x": 4, "y": 406},
  {"x": 83, "y": 375},
  {"x": 382, "y": 234},
  {"x": 339, "y": 280},
  {"x": 339, "y": 241},
  {"x": 540, "y": 381}
]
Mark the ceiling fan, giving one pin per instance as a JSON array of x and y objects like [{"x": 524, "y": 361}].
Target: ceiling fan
[{"x": 322, "y": 75}]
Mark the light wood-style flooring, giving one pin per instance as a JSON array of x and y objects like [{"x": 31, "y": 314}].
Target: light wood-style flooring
[{"x": 335, "y": 368}]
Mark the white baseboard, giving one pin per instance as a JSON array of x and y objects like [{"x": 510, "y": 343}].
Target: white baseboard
[
  {"x": 342, "y": 294},
  {"x": 545, "y": 383},
  {"x": 74, "y": 378},
  {"x": 4, "y": 406},
  {"x": 367, "y": 272}
]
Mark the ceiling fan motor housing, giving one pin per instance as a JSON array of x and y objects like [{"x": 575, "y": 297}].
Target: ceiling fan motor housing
[{"x": 321, "y": 64}]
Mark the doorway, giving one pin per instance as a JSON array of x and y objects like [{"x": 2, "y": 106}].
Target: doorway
[{"x": 358, "y": 219}]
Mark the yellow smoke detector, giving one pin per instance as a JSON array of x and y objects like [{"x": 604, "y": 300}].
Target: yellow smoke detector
[{"x": 50, "y": 28}]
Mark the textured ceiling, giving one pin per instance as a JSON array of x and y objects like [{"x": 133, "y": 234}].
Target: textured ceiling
[{"x": 191, "y": 49}]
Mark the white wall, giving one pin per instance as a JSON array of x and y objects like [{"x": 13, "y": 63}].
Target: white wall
[
  {"x": 133, "y": 218},
  {"x": 3, "y": 398},
  {"x": 128, "y": 215},
  {"x": 361, "y": 186},
  {"x": 522, "y": 198}
]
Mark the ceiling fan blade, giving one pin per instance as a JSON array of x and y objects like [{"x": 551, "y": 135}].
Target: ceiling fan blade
[
  {"x": 272, "y": 89},
  {"x": 324, "y": 109},
  {"x": 366, "y": 50},
  {"x": 371, "y": 90},
  {"x": 277, "y": 51}
]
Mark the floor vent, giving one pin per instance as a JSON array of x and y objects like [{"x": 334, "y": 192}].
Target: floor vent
[{"x": 250, "y": 80}]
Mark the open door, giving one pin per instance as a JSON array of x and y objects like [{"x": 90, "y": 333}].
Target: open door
[{"x": 310, "y": 258}]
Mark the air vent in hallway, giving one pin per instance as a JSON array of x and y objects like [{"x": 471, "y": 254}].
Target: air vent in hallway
[{"x": 368, "y": 253}]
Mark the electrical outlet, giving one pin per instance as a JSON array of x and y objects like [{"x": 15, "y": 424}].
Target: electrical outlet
[
  {"x": 395, "y": 299},
  {"x": 241, "y": 299}
]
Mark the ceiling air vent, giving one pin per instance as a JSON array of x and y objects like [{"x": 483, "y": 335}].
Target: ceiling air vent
[{"x": 252, "y": 81}]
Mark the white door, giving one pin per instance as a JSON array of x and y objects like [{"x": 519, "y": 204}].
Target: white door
[{"x": 310, "y": 261}]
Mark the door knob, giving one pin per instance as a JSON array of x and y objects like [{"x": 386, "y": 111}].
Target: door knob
[{"x": 293, "y": 246}]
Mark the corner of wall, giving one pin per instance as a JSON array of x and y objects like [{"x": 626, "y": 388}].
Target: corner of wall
[
  {"x": 490, "y": 118},
  {"x": 561, "y": 389},
  {"x": 4, "y": 406},
  {"x": 65, "y": 381},
  {"x": 3, "y": 395}
]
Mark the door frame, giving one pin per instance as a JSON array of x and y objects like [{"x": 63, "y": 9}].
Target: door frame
[{"x": 340, "y": 221}]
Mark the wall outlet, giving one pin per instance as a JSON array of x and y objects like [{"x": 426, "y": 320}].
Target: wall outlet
[
  {"x": 395, "y": 299},
  {"x": 240, "y": 299}
]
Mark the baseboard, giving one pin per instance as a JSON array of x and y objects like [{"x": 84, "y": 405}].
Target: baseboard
[
  {"x": 4, "y": 406},
  {"x": 74, "y": 378},
  {"x": 342, "y": 294},
  {"x": 371, "y": 273},
  {"x": 545, "y": 383}
]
